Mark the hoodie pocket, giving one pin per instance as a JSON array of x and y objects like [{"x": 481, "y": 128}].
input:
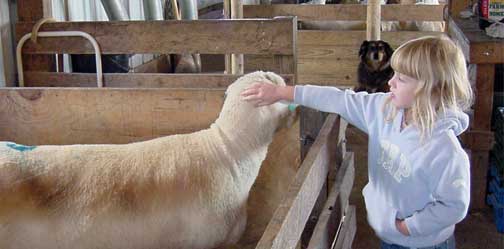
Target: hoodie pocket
[{"x": 381, "y": 216}]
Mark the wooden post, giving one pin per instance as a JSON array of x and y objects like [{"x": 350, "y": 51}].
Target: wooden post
[
  {"x": 236, "y": 59},
  {"x": 32, "y": 11},
  {"x": 310, "y": 124},
  {"x": 455, "y": 6},
  {"x": 7, "y": 68},
  {"x": 227, "y": 15},
  {"x": 373, "y": 20},
  {"x": 481, "y": 124}
]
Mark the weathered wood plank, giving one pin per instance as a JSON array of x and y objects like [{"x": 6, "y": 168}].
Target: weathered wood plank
[
  {"x": 310, "y": 124},
  {"x": 482, "y": 48},
  {"x": 91, "y": 115},
  {"x": 331, "y": 57},
  {"x": 341, "y": 153},
  {"x": 134, "y": 80},
  {"x": 326, "y": 72},
  {"x": 348, "y": 12},
  {"x": 282, "y": 64},
  {"x": 32, "y": 11},
  {"x": 354, "y": 38},
  {"x": 251, "y": 36},
  {"x": 484, "y": 100},
  {"x": 286, "y": 226},
  {"x": 348, "y": 230},
  {"x": 7, "y": 63},
  {"x": 335, "y": 207},
  {"x": 455, "y": 6}
]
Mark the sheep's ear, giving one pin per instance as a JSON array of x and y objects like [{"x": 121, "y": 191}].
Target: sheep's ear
[
  {"x": 275, "y": 78},
  {"x": 388, "y": 49}
]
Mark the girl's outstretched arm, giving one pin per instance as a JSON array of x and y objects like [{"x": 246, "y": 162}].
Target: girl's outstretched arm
[{"x": 261, "y": 94}]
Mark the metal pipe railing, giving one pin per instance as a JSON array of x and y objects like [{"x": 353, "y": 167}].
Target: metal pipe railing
[{"x": 99, "y": 72}]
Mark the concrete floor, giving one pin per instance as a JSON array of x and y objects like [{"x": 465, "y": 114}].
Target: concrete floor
[{"x": 476, "y": 231}]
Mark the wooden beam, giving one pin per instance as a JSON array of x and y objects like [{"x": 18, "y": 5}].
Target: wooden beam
[
  {"x": 134, "y": 80},
  {"x": 482, "y": 49},
  {"x": 289, "y": 219},
  {"x": 455, "y": 6},
  {"x": 32, "y": 11},
  {"x": 484, "y": 100},
  {"x": 373, "y": 24},
  {"x": 347, "y": 12},
  {"x": 195, "y": 36},
  {"x": 93, "y": 116},
  {"x": 311, "y": 121},
  {"x": 348, "y": 230},
  {"x": 282, "y": 64},
  {"x": 335, "y": 207},
  {"x": 237, "y": 59},
  {"x": 227, "y": 15},
  {"x": 331, "y": 57},
  {"x": 7, "y": 65}
]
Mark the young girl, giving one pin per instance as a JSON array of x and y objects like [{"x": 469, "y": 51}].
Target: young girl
[{"x": 419, "y": 184}]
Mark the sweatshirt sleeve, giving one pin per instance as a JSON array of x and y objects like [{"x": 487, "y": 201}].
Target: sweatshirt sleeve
[
  {"x": 451, "y": 192},
  {"x": 356, "y": 108}
]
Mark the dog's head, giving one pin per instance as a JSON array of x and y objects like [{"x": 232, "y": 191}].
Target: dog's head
[{"x": 375, "y": 54}]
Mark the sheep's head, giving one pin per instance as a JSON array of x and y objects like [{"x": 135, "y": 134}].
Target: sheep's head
[{"x": 238, "y": 115}]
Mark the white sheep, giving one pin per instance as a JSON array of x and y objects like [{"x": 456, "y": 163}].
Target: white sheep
[{"x": 179, "y": 191}]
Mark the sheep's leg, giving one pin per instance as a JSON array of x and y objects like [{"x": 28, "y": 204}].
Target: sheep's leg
[{"x": 238, "y": 228}]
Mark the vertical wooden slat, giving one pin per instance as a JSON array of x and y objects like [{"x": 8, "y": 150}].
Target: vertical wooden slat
[
  {"x": 336, "y": 206},
  {"x": 373, "y": 20},
  {"x": 285, "y": 228},
  {"x": 481, "y": 122},
  {"x": 484, "y": 87},
  {"x": 455, "y": 6},
  {"x": 227, "y": 57},
  {"x": 310, "y": 125},
  {"x": 32, "y": 11},
  {"x": 7, "y": 68},
  {"x": 348, "y": 229},
  {"x": 237, "y": 59}
]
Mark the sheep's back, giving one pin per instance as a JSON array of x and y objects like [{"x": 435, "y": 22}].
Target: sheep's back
[{"x": 86, "y": 187}]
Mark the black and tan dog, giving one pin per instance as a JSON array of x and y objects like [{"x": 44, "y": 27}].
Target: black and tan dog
[{"x": 374, "y": 69}]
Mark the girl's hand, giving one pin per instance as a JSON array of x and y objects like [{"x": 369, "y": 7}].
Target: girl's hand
[
  {"x": 261, "y": 94},
  {"x": 401, "y": 227}
]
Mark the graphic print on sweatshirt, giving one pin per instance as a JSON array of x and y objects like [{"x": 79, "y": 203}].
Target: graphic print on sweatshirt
[{"x": 393, "y": 161}]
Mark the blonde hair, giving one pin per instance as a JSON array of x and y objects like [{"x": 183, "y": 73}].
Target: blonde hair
[{"x": 439, "y": 67}]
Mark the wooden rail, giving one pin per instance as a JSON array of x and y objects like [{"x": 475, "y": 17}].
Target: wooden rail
[
  {"x": 346, "y": 12},
  {"x": 330, "y": 57},
  {"x": 132, "y": 80},
  {"x": 269, "y": 45},
  {"x": 285, "y": 228},
  {"x": 114, "y": 116}
]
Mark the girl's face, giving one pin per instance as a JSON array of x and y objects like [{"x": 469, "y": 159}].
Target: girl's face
[{"x": 402, "y": 88}]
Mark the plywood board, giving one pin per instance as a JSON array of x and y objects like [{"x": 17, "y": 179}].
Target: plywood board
[
  {"x": 87, "y": 115},
  {"x": 258, "y": 36},
  {"x": 347, "y": 12}
]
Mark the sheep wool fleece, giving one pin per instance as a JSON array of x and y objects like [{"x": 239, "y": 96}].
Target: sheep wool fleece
[{"x": 181, "y": 191}]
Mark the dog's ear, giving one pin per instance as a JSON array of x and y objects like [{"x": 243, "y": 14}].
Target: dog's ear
[
  {"x": 363, "y": 49},
  {"x": 388, "y": 49}
]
